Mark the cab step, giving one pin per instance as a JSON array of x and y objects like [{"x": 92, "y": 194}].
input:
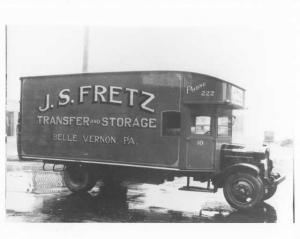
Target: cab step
[
  {"x": 197, "y": 189},
  {"x": 208, "y": 189}
]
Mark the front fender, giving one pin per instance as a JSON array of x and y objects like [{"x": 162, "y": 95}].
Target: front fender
[{"x": 235, "y": 168}]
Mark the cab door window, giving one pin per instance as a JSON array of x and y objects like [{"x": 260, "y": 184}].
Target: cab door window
[{"x": 201, "y": 125}]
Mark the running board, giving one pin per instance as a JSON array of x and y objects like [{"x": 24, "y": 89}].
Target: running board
[
  {"x": 197, "y": 189},
  {"x": 208, "y": 189}
]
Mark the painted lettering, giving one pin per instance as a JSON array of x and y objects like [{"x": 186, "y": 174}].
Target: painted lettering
[
  {"x": 131, "y": 93},
  {"x": 47, "y": 104},
  {"x": 63, "y": 97},
  {"x": 99, "y": 91},
  {"x": 113, "y": 92},
  {"x": 102, "y": 94},
  {"x": 192, "y": 89},
  {"x": 83, "y": 90},
  {"x": 65, "y": 137},
  {"x": 144, "y": 105},
  {"x": 128, "y": 140},
  {"x": 63, "y": 120},
  {"x": 99, "y": 139}
]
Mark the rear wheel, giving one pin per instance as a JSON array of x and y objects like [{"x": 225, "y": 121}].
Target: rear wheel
[
  {"x": 79, "y": 178},
  {"x": 243, "y": 190}
]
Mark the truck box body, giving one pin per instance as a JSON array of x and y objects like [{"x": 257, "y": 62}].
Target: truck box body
[{"x": 117, "y": 118}]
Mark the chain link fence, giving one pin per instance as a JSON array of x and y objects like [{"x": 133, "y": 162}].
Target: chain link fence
[
  {"x": 30, "y": 177},
  {"x": 47, "y": 182}
]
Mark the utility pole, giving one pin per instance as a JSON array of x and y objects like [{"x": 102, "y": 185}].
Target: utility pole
[{"x": 85, "y": 50}]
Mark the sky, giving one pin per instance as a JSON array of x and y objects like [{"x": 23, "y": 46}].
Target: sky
[{"x": 256, "y": 58}]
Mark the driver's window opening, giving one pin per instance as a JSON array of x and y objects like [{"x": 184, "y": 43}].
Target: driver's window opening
[
  {"x": 201, "y": 125},
  {"x": 171, "y": 123}
]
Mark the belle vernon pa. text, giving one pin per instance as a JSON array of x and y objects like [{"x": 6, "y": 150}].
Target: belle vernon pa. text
[
  {"x": 121, "y": 122},
  {"x": 100, "y": 139}
]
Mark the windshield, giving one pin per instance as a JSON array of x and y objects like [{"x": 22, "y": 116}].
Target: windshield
[
  {"x": 224, "y": 126},
  {"x": 230, "y": 123},
  {"x": 237, "y": 125}
]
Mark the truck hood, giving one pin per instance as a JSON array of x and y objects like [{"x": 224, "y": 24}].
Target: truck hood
[{"x": 234, "y": 150}]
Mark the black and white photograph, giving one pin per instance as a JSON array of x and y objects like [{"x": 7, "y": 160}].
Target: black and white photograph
[{"x": 149, "y": 123}]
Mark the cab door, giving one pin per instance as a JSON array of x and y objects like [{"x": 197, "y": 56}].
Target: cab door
[{"x": 200, "y": 143}]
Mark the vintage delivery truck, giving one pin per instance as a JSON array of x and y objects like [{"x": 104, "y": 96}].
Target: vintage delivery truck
[{"x": 143, "y": 127}]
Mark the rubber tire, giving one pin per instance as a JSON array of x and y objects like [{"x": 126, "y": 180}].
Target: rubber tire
[
  {"x": 271, "y": 192},
  {"x": 85, "y": 182},
  {"x": 257, "y": 184}
]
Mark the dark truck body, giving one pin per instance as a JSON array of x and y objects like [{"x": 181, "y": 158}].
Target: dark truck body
[
  {"x": 156, "y": 124},
  {"x": 134, "y": 137}
]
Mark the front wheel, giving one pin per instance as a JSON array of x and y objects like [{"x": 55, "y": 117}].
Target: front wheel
[
  {"x": 270, "y": 191},
  {"x": 243, "y": 190},
  {"x": 79, "y": 178}
]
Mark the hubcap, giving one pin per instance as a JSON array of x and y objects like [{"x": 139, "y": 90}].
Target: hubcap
[{"x": 243, "y": 191}]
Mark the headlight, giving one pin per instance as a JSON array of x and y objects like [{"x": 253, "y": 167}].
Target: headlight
[
  {"x": 267, "y": 153},
  {"x": 265, "y": 163}
]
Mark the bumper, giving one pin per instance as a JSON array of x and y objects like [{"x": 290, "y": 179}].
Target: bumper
[{"x": 278, "y": 180}]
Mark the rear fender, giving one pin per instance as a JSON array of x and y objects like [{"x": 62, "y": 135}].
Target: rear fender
[{"x": 220, "y": 178}]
